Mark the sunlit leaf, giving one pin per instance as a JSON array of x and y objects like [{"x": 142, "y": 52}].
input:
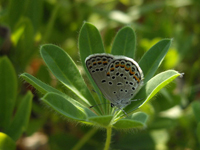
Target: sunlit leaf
[
  {"x": 124, "y": 42},
  {"x": 6, "y": 143}
]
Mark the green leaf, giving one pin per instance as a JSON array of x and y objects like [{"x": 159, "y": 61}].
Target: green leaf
[
  {"x": 39, "y": 85},
  {"x": 151, "y": 60},
  {"x": 196, "y": 109},
  {"x": 124, "y": 42},
  {"x": 66, "y": 71},
  {"x": 15, "y": 11},
  {"x": 136, "y": 120},
  {"x": 198, "y": 131},
  {"x": 8, "y": 91},
  {"x": 44, "y": 75},
  {"x": 90, "y": 42},
  {"x": 162, "y": 123},
  {"x": 6, "y": 143},
  {"x": 23, "y": 40},
  {"x": 50, "y": 24},
  {"x": 21, "y": 118},
  {"x": 152, "y": 87},
  {"x": 35, "y": 12},
  {"x": 103, "y": 121},
  {"x": 67, "y": 106}
]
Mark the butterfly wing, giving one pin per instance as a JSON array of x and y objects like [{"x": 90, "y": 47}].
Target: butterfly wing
[
  {"x": 97, "y": 65},
  {"x": 124, "y": 78},
  {"x": 118, "y": 77}
]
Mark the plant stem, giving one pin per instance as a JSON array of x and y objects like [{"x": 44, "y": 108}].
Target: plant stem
[
  {"x": 108, "y": 139},
  {"x": 84, "y": 139}
]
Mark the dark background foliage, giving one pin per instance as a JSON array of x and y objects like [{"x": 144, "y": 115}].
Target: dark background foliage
[{"x": 173, "y": 114}]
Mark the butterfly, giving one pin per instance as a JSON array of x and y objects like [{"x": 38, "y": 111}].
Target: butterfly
[{"x": 118, "y": 77}]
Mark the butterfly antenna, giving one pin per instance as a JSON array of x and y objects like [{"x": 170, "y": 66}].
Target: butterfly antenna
[{"x": 98, "y": 93}]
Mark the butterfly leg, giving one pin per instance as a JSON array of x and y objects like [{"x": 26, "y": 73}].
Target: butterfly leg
[
  {"x": 124, "y": 112},
  {"x": 121, "y": 110}
]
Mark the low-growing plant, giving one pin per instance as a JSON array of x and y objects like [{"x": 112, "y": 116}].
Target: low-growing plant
[{"x": 77, "y": 109}]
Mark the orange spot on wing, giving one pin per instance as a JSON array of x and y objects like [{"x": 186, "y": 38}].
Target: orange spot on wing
[
  {"x": 105, "y": 62},
  {"x": 122, "y": 66},
  {"x": 111, "y": 69},
  {"x": 131, "y": 72},
  {"x": 137, "y": 78},
  {"x": 127, "y": 68}
]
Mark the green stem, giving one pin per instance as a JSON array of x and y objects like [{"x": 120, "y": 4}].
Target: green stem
[
  {"x": 84, "y": 139},
  {"x": 108, "y": 139}
]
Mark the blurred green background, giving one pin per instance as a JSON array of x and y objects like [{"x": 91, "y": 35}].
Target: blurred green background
[{"x": 174, "y": 115}]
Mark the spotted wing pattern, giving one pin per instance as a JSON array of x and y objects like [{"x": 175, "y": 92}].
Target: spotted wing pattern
[
  {"x": 125, "y": 77},
  {"x": 118, "y": 77},
  {"x": 97, "y": 66}
]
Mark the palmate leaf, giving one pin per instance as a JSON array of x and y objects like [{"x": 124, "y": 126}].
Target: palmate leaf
[{"x": 65, "y": 70}]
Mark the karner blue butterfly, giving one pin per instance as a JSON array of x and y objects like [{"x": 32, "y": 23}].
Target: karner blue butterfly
[{"x": 118, "y": 77}]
